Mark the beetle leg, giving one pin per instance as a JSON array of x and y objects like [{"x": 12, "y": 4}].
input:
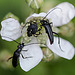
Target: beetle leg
[
  {"x": 25, "y": 57},
  {"x": 37, "y": 34},
  {"x": 58, "y": 37},
  {"x": 51, "y": 23},
  {"x": 24, "y": 50},
  {"x": 58, "y": 40},
  {"x": 40, "y": 28},
  {"x": 9, "y": 58}
]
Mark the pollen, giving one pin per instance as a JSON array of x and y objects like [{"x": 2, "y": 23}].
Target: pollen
[{"x": 35, "y": 29}]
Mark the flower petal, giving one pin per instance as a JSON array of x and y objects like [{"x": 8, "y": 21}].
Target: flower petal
[
  {"x": 35, "y": 54},
  {"x": 10, "y": 29},
  {"x": 68, "y": 49},
  {"x": 36, "y": 15},
  {"x": 63, "y": 13}
]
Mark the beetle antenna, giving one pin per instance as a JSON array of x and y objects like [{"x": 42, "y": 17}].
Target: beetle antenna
[
  {"x": 11, "y": 39},
  {"x": 24, "y": 45},
  {"x": 24, "y": 26},
  {"x": 36, "y": 43},
  {"x": 51, "y": 11}
]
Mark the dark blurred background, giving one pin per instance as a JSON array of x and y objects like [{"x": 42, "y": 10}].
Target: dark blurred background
[{"x": 20, "y": 9}]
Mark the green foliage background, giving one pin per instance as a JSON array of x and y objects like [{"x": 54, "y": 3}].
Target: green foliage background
[{"x": 58, "y": 67}]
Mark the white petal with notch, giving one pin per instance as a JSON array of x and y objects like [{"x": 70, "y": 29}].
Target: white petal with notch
[
  {"x": 36, "y": 15},
  {"x": 66, "y": 46},
  {"x": 63, "y": 13},
  {"x": 35, "y": 55},
  {"x": 11, "y": 29}
]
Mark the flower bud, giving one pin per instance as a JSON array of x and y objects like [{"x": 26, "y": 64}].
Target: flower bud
[
  {"x": 67, "y": 30},
  {"x": 10, "y": 15},
  {"x": 48, "y": 55},
  {"x": 34, "y": 4}
]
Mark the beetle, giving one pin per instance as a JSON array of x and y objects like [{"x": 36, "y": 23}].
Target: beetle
[
  {"x": 32, "y": 29},
  {"x": 48, "y": 29},
  {"x": 17, "y": 52},
  {"x": 16, "y": 55}
]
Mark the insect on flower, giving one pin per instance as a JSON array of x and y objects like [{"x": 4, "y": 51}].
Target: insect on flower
[
  {"x": 37, "y": 29},
  {"x": 33, "y": 28},
  {"x": 17, "y": 53}
]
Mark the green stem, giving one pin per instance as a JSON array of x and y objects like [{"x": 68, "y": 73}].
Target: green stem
[{"x": 37, "y": 10}]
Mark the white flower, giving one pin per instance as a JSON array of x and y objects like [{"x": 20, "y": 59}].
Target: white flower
[
  {"x": 35, "y": 52},
  {"x": 60, "y": 16},
  {"x": 63, "y": 15},
  {"x": 10, "y": 28},
  {"x": 68, "y": 49}
]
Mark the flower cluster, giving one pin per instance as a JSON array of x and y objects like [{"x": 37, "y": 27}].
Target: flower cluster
[
  {"x": 34, "y": 4},
  {"x": 11, "y": 27}
]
